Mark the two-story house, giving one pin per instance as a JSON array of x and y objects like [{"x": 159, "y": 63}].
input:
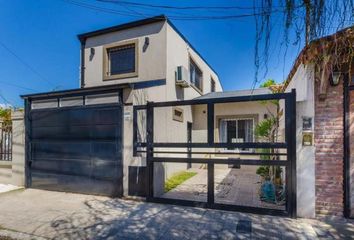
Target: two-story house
[
  {"x": 83, "y": 140},
  {"x": 147, "y": 60}
]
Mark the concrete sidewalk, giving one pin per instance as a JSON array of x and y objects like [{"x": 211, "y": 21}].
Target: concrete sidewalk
[{"x": 35, "y": 214}]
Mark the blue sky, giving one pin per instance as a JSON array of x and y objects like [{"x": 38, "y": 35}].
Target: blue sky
[{"x": 43, "y": 33}]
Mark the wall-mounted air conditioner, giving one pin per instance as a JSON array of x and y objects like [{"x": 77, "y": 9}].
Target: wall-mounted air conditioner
[{"x": 182, "y": 77}]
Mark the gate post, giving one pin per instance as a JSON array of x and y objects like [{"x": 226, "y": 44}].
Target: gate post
[
  {"x": 210, "y": 122},
  {"x": 149, "y": 150},
  {"x": 290, "y": 137},
  {"x": 18, "y": 148}
]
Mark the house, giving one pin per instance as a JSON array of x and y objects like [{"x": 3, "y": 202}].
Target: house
[
  {"x": 144, "y": 88},
  {"x": 324, "y": 125}
]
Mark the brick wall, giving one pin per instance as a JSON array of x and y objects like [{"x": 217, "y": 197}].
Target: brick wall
[{"x": 329, "y": 151}]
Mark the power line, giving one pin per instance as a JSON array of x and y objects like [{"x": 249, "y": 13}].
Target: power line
[
  {"x": 182, "y": 7},
  {"x": 18, "y": 86},
  {"x": 26, "y": 64},
  {"x": 100, "y": 9},
  {"x": 174, "y": 17},
  {"x": 5, "y": 100}
]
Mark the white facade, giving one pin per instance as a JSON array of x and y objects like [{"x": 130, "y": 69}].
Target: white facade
[
  {"x": 156, "y": 61},
  {"x": 303, "y": 81}
]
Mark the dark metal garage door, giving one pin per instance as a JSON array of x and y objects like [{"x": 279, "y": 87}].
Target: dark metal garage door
[{"x": 76, "y": 149}]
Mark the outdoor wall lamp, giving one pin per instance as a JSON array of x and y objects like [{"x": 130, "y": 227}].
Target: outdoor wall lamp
[
  {"x": 92, "y": 53},
  {"x": 146, "y": 43},
  {"x": 335, "y": 78}
]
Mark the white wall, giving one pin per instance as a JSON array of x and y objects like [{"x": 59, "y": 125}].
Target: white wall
[
  {"x": 178, "y": 54},
  {"x": 303, "y": 82},
  {"x": 255, "y": 110},
  {"x": 165, "y": 52},
  {"x": 151, "y": 62}
]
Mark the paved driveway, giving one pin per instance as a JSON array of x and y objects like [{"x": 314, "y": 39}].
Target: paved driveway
[
  {"x": 57, "y": 215},
  {"x": 232, "y": 186}
]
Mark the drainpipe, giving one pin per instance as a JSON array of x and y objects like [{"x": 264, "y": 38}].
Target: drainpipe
[{"x": 82, "y": 61}]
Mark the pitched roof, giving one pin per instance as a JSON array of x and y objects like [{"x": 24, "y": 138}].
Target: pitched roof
[
  {"x": 303, "y": 58},
  {"x": 237, "y": 93}
]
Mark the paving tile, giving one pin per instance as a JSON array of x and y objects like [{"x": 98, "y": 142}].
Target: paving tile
[{"x": 73, "y": 216}]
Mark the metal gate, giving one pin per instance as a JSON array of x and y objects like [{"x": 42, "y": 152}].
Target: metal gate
[
  {"x": 74, "y": 142},
  {"x": 284, "y": 157},
  {"x": 348, "y": 176},
  {"x": 5, "y": 141}
]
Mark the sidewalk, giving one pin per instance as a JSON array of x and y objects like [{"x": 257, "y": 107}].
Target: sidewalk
[{"x": 36, "y": 214}]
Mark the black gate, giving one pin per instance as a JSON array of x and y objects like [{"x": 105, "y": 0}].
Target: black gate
[
  {"x": 76, "y": 144},
  {"x": 284, "y": 157}
]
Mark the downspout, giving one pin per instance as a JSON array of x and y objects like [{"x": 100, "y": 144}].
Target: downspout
[{"x": 82, "y": 61}]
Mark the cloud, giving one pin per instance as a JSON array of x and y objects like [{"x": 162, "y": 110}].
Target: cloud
[{"x": 5, "y": 105}]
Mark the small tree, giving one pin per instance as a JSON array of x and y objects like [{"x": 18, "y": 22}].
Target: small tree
[{"x": 268, "y": 131}]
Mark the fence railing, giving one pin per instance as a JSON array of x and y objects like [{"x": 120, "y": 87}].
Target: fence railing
[{"x": 5, "y": 142}]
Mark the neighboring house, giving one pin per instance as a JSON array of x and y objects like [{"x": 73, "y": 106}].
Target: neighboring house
[{"x": 323, "y": 76}]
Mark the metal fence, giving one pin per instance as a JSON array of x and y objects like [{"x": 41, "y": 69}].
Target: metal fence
[
  {"x": 5, "y": 142},
  {"x": 287, "y": 146}
]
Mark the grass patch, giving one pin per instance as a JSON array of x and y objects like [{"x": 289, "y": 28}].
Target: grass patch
[{"x": 177, "y": 179}]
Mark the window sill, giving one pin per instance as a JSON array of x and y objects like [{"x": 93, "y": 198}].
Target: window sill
[{"x": 120, "y": 76}]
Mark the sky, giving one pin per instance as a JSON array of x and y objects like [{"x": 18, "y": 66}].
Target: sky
[{"x": 40, "y": 52}]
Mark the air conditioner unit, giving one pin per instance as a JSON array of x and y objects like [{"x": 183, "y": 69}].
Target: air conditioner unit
[{"x": 182, "y": 77}]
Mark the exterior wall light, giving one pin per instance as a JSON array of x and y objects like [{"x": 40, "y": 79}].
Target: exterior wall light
[{"x": 335, "y": 78}]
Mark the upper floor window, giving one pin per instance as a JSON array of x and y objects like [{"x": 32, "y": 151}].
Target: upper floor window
[
  {"x": 120, "y": 61},
  {"x": 212, "y": 85},
  {"x": 196, "y": 75}
]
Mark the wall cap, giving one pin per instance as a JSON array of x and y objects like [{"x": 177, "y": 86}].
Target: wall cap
[{"x": 17, "y": 115}]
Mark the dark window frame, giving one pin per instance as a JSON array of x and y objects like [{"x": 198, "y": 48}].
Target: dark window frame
[
  {"x": 212, "y": 85},
  {"x": 236, "y": 132},
  {"x": 108, "y": 49},
  {"x": 198, "y": 86}
]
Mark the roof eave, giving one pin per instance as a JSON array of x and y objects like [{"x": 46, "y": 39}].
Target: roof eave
[{"x": 82, "y": 37}]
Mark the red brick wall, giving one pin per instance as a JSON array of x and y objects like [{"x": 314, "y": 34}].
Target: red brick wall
[{"x": 329, "y": 151}]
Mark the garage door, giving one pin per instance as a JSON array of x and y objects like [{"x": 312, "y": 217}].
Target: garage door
[{"x": 76, "y": 149}]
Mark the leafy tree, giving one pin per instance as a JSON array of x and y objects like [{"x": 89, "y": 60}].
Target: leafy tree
[
  {"x": 5, "y": 117},
  {"x": 300, "y": 22}
]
